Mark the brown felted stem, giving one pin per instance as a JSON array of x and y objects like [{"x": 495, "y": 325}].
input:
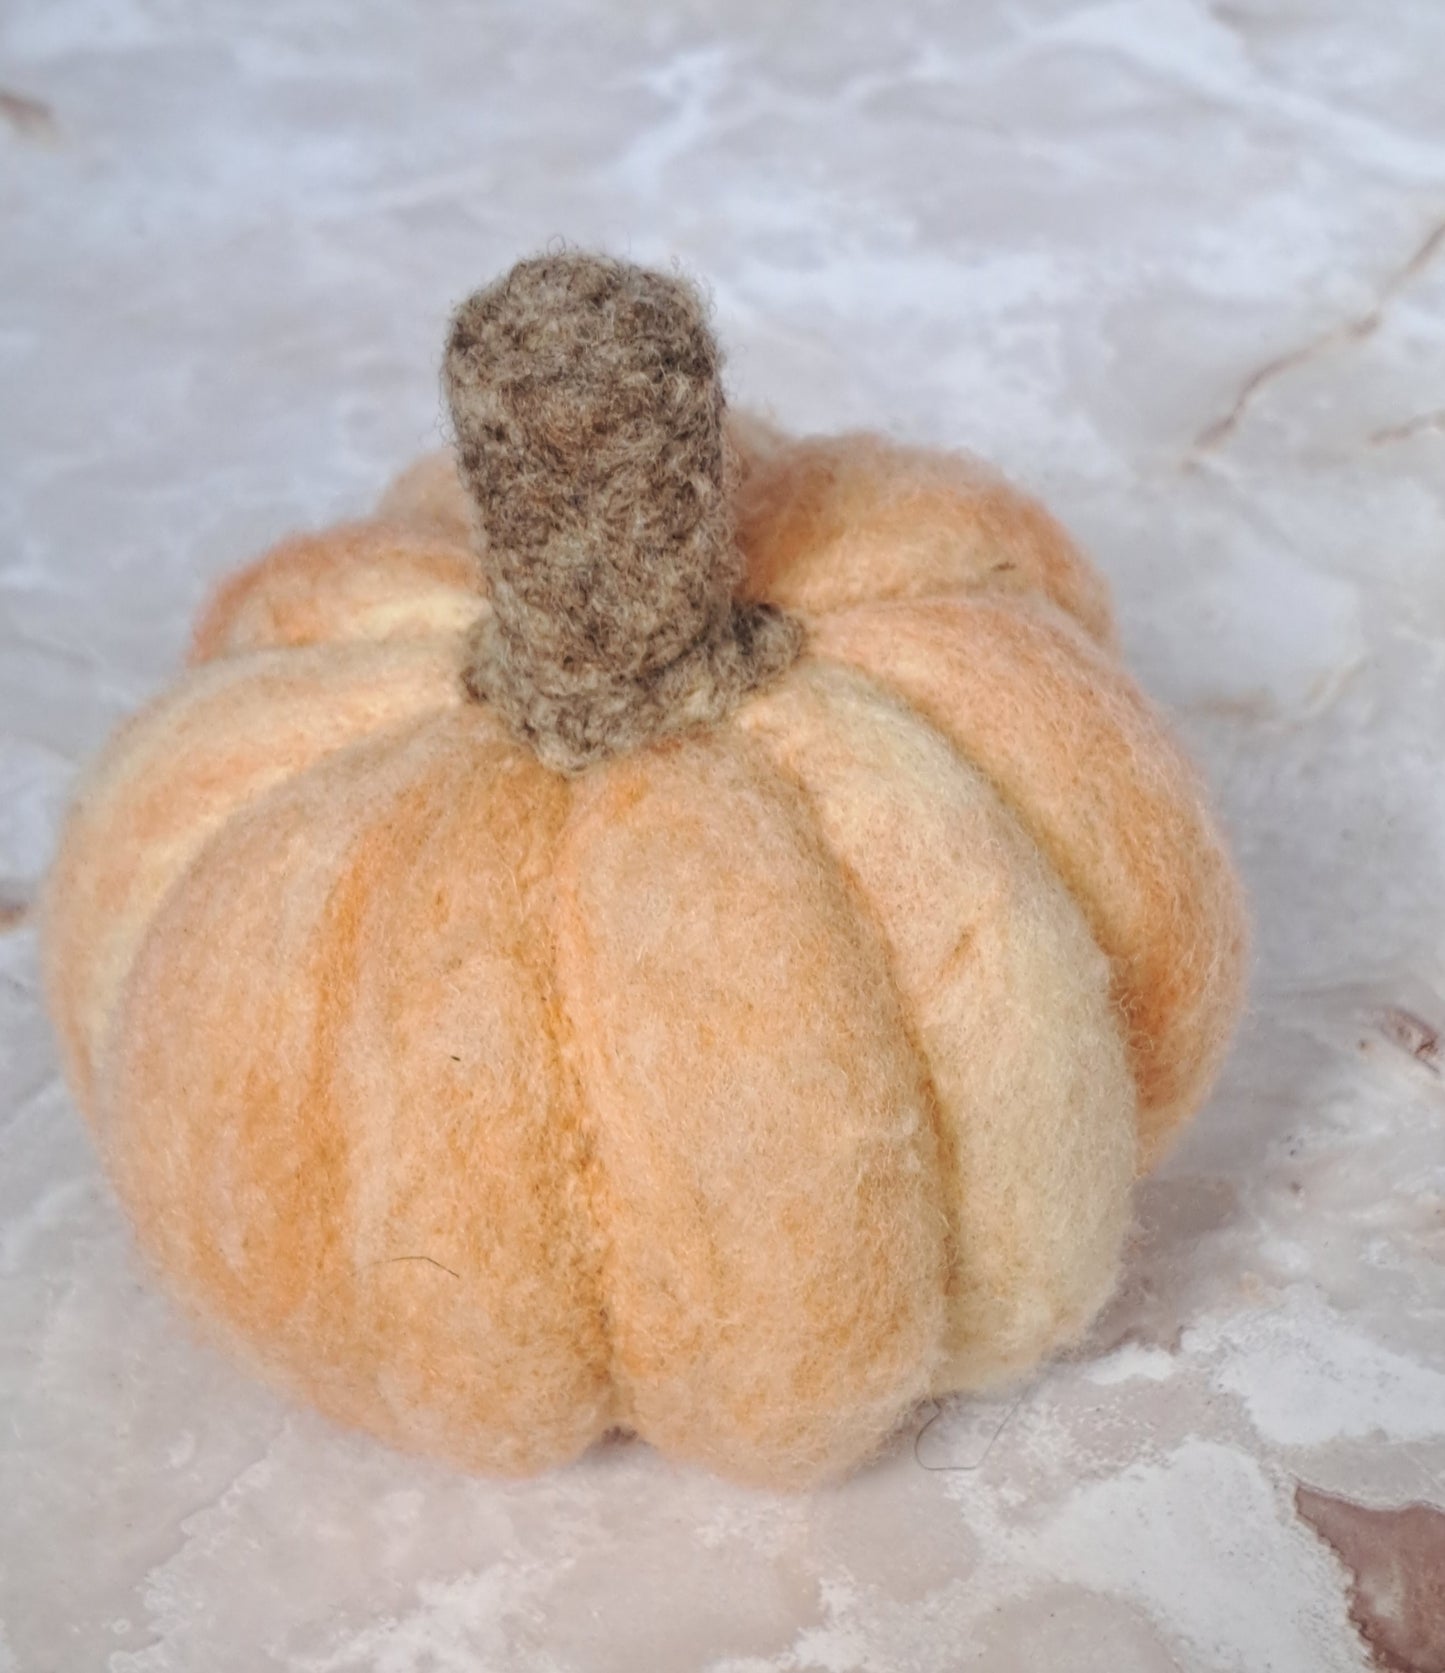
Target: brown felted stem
[{"x": 589, "y": 425}]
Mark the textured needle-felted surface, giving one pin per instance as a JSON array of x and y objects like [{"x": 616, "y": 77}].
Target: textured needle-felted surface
[
  {"x": 589, "y": 424},
  {"x": 496, "y": 1060}
]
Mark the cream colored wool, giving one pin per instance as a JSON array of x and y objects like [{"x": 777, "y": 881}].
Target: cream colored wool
[{"x": 739, "y": 1091}]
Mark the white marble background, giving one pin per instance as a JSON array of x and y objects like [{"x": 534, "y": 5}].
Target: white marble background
[{"x": 1180, "y": 266}]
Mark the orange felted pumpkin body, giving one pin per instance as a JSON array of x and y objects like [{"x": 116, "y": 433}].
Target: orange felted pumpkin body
[{"x": 739, "y": 1089}]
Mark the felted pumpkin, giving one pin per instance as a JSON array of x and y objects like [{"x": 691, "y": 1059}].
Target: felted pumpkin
[{"x": 664, "y": 927}]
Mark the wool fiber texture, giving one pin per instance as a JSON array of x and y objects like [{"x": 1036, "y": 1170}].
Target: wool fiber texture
[
  {"x": 664, "y": 927},
  {"x": 589, "y": 420}
]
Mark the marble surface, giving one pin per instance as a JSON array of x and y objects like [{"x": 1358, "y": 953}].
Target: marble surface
[{"x": 1178, "y": 265}]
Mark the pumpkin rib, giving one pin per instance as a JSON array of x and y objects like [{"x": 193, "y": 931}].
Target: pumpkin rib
[
  {"x": 522, "y": 805},
  {"x": 589, "y": 1208},
  {"x": 1075, "y": 751},
  {"x": 428, "y": 498},
  {"x": 229, "y": 734},
  {"x": 364, "y": 580},
  {"x": 830, "y": 523},
  {"x": 767, "y": 747},
  {"x": 367, "y": 1183},
  {"x": 180, "y": 961},
  {"x": 1007, "y": 1001},
  {"x": 775, "y": 1274}
]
